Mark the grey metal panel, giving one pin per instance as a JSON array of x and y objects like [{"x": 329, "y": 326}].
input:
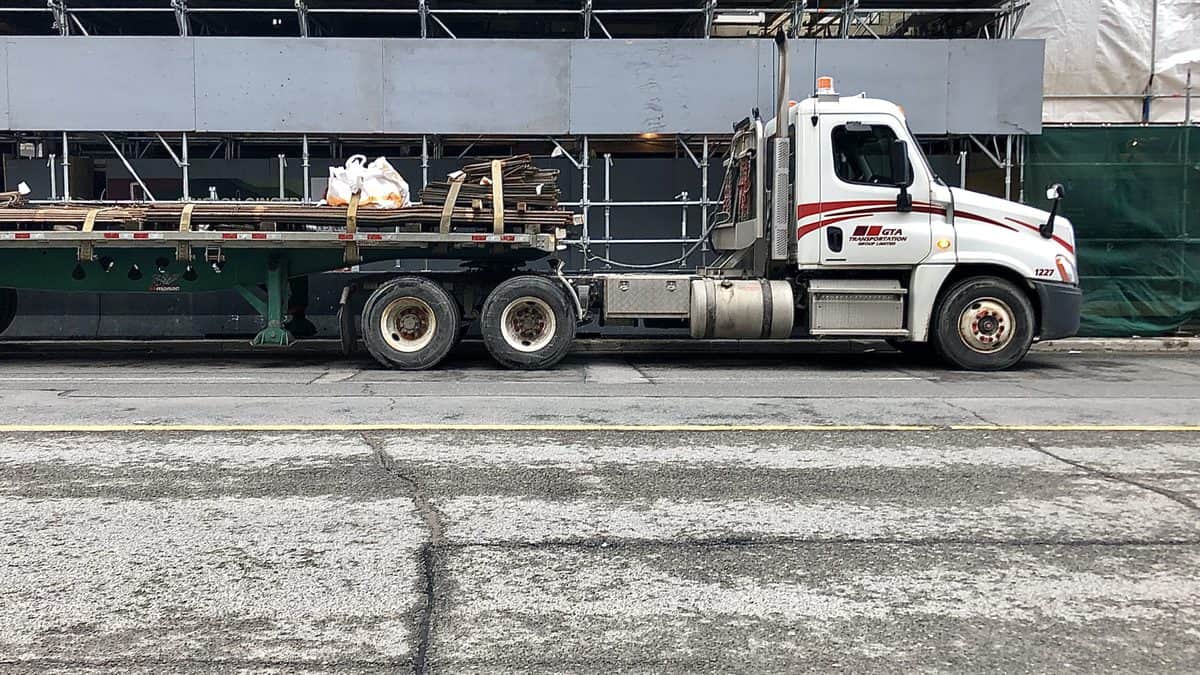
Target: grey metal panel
[
  {"x": 101, "y": 84},
  {"x": 996, "y": 86},
  {"x": 476, "y": 86},
  {"x": 912, "y": 73},
  {"x": 4, "y": 85},
  {"x": 516, "y": 86},
  {"x": 662, "y": 86},
  {"x": 288, "y": 84}
]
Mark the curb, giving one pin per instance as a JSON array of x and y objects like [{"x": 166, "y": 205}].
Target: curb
[{"x": 1144, "y": 345}]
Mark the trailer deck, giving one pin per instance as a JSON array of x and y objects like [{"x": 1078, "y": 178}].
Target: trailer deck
[{"x": 260, "y": 250}]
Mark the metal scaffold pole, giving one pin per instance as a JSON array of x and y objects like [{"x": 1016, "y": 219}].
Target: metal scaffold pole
[
  {"x": 306, "y": 164},
  {"x": 585, "y": 202},
  {"x": 1008, "y": 165},
  {"x": 66, "y": 169},
  {"x": 424, "y": 160},
  {"x": 53, "y": 177}
]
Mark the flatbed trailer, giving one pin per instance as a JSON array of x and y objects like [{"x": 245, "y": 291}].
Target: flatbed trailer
[{"x": 85, "y": 247}]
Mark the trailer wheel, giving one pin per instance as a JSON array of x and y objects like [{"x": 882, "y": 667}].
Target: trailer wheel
[
  {"x": 8, "y": 307},
  {"x": 527, "y": 323},
  {"x": 984, "y": 323},
  {"x": 410, "y": 323}
]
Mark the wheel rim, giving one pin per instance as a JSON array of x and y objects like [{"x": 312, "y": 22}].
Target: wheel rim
[
  {"x": 408, "y": 324},
  {"x": 528, "y": 324},
  {"x": 986, "y": 325}
]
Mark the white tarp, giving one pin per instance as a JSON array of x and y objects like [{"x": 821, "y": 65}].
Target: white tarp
[{"x": 1100, "y": 55}]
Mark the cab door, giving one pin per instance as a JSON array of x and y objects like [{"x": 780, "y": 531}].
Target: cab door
[{"x": 860, "y": 223}]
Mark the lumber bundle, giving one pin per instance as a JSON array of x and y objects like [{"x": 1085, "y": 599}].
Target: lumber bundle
[
  {"x": 218, "y": 215},
  {"x": 524, "y": 186},
  {"x": 530, "y": 198}
]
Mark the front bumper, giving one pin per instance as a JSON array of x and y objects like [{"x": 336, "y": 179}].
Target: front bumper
[{"x": 1060, "y": 304}]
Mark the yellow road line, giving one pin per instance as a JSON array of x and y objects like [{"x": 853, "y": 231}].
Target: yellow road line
[
  {"x": 459, "y": 427},
  {"x": 676, "y": 428}
]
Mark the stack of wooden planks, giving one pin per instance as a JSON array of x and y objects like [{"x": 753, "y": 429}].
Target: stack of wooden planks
[
  {"x": 218, "y": 215},
  {"x": 530, "y": 197},
  {"x": 524, "y": 186}
]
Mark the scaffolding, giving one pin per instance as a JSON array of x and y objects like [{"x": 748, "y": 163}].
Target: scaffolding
[
  {"x": 514, "y": 19},
  {"x": 591, "y": 158}
]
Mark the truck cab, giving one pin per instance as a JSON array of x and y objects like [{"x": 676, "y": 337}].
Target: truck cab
[{"x": 843, "y": 205}]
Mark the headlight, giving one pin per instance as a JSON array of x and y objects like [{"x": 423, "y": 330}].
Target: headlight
[{"x": 1066, "y": 270}]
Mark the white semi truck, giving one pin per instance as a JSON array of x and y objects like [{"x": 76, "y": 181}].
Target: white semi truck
[{"x": 832, "y": 224}]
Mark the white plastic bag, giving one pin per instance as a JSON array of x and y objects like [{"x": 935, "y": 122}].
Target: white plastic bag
[{"x": 379, "y": 183}]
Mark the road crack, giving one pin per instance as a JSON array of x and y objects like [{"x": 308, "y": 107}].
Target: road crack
[
  {"x": 429, "y": 557},
  {"x": 970, "y": 412},
  {"x": 1116, "y": 477},
  {"x": 640, "y": 371}
]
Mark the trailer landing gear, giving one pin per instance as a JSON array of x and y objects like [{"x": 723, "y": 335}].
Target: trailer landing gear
[{"x": 272, "y": 307}]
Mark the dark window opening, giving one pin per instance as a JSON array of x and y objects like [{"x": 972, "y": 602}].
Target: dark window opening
[{"x": 862, "y": 154}]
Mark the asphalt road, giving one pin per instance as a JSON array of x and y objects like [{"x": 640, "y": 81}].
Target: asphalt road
[{"x": 805, "y": 512}]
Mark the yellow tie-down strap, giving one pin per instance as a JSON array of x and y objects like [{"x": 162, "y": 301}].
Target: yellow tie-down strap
[
  {"x": 456, "y": 183},
  {"x": 183, "y": 249},
  {"x": 89, "y": 221},
  {"x": 497, "y": 196},
  {"x": 185, "y": 218},
  {"x": 352, "y": 253}
]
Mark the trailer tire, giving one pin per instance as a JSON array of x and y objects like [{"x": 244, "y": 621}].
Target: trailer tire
[
  {"x": 8, "y": 307},
  {"x": 410, "y": 323},
  {"x": 983, "y": 323},
  {"x": 527, "y": 323}
]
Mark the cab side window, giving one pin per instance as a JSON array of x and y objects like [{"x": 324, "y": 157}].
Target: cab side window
[{"x": 861, "y": 153}]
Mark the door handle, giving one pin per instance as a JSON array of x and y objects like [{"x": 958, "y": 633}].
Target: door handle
[{"x": 833, "y": 235}]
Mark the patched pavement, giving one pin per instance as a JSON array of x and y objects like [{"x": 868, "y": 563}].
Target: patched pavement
[{"x": 974, "y": 545}]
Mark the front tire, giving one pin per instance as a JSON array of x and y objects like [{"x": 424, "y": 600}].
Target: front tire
[
  {"x": 984, "y": 323},
  {"x": 527, "y": 323},
  {"x": 410, "y": 323},
  {"x": 8, "y": 307}
]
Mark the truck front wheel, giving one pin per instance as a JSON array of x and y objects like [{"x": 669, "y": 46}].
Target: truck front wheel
[
  {"x": 410, "y": 323},
  {"x": 983, "y": 323},
  {"x": 8, "y": 308},
  {"x": 527, "y": 323}
]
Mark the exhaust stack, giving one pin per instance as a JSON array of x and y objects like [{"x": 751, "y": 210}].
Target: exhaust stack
[{"x": 781, "y": 188}]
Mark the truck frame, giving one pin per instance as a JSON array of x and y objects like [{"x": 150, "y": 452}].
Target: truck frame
[{"x": 831, "y": 224}]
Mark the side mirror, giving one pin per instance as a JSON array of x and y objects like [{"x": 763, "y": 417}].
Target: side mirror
[
  {"x": 901, "y": 175},
  {"x": 1055, "y": 194}
]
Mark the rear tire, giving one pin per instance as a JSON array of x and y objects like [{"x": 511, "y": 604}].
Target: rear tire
[
  {"x": 527, "y": 323},
  {"x": 410, "y": 323},
  {"x": 8, "y": 307},
  {"x": 983, "y": 323}
]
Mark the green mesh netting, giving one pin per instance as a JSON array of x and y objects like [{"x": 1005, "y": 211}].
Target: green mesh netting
[{"x": 1130, "y": 193}]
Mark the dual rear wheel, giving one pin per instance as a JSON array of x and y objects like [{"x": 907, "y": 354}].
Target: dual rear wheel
[{"x": 412, "y": 323}]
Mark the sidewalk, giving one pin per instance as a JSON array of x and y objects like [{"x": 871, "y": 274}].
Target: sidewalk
[{"x": 1138, "y": 344}]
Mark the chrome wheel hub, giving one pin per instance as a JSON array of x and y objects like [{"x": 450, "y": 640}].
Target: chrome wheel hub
[
  {"x": 986, "y": 325},
  {"x": 528, "y": 324}
]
